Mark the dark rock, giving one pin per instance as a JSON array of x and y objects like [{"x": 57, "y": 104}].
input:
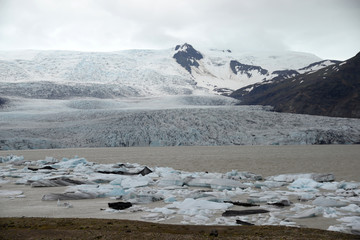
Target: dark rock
[
  {"x": 281, "y": 203},
  {"x": 320, "y": 63},
  {"x": 187, "y": 56},
  {"x": 143, "y": 172},
  {"x": 244, "y": 223},
  {"x": 232, "y": 213},
  {"x": 327, "y": 177},
  {"x": 45, "y": 168},
  {"x": 214, "y": 233},
  {"x": 238, "y": 67},
  {"x": 120, "y": 205},
  {"x": 56, "y": 182},
  {"x": 243, "y": 204}
]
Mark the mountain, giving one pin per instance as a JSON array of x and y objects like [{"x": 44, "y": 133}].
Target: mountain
[
  {"x": 182, "y": 70},
  {"x": 330, "y": 91}
]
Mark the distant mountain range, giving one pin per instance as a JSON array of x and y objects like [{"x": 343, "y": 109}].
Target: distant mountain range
[
  {"x": 181, "y": 70},
  {"x": 288, "y": 81},
  {"x": 330, "y": 91}
]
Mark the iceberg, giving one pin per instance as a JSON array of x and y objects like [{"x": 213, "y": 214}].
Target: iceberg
[
  {"x": 135, "y": 181},
  {"x": 55, "y": 182},
  {"x": 313, "y": 212},
  {"x": 318, "y": 177},
  {"x": 195, "y": 206},
  {"x": 351, "y": 208},
  {"x": 328, "y": 202},
  {"x": 304, "y": 184},
  {"x": 70, "y": 164},
  {"x": 68, "y": 196},
  {"x": 219, "y": 183}
]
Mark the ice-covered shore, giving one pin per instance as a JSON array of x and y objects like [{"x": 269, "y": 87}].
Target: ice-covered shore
[{"x": 230, "y": 198}]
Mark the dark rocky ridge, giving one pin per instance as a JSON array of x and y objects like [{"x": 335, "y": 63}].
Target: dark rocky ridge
[
  {"x": 319, "y": 63},
  {"x": 187, "y": 56},
  {"x": 331, "y": 91},
  {"x": 238, "y": 67}
]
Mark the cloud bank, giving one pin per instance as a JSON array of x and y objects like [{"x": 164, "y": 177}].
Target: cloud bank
[{"x": 327, "y": 28}]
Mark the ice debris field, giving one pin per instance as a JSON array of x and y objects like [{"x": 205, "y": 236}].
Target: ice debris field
[{"x": 206, "y": 198}]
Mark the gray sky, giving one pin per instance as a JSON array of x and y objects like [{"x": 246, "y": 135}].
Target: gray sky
[{"x": 327, "y": 28}]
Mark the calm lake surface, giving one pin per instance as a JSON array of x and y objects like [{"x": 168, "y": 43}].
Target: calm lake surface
[{"x": 342, "y": 160}]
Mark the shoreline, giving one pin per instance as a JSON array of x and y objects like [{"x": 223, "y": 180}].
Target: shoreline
[{"x": 73, "y": 228}]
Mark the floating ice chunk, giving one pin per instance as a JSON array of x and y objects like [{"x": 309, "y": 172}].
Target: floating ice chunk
[
  {"x": 142, "y": 197},
  {"x": 174, "y": 180},
  {"x": 135, "y": 181},
  {"x": 292, "y": 177},
  {"x": 102, "y": 178},
  {"x": 328, "y": 202},
  {"x": 329, "y": 186},
  {"x": 166, "y": 171},
  {"x": 289, "y": 177},
  {"x": 12, "y": 159},
  {"x": 329, "y": 212},
  {"x": 352, "y": 223},
  {"x": 219, "y": 183},
  {"x": 313, "y": 212},
  {"x": 280, "y": 203},
  {"x": 192, "y": 207},
  {"x": 306, "y": 196},
  {"x": 164, "y": 211},
  {"x": 304, "y": 184},
  {"x": 64, "y": 204},
  {"x": 235, "y": 175},
  {"x": 115, "y": 192},
  {"x": 263, "y": 197},
  {"x": 351, "y": 208},
  {"x": 170, "y": 199},
  {"x": 55, "y": 182},
  {"x": 287, "y": 223},
  {"x": 153, "y": 216},
  {"x": 269, "y": 184},
  {"x": 68, "y": 196},
  {"x": 117, "y": 181},
  {"x": 349, "y": 185},
  {"x": 46, "y": 161},
  {"x": 72, "y": 163},
  {"x": 10, "y": 193}
]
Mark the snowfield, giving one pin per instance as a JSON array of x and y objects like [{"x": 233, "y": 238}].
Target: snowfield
[
  {"x": 162, "y": 121},
  {"x": 133, "y": 73}
]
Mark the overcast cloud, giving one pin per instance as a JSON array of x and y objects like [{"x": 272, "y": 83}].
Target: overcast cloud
[{"x": 327, "y": 28}]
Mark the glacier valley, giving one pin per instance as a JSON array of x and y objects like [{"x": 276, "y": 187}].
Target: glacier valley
[
  {"x": 63, "y": 99},
  {"x": 162, "y": 121}
]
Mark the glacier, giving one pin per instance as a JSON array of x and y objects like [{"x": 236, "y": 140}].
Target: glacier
[{"x": 162, "y": 121}]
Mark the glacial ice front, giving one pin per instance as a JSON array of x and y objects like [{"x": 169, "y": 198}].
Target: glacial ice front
[{"x": 184, "y": 197}]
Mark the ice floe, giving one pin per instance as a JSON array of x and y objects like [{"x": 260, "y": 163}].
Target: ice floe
[{"x": 162, "y": 193}]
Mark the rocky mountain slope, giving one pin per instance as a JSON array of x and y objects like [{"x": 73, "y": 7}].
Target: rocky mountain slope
[{"x": 330, "y": 91}]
